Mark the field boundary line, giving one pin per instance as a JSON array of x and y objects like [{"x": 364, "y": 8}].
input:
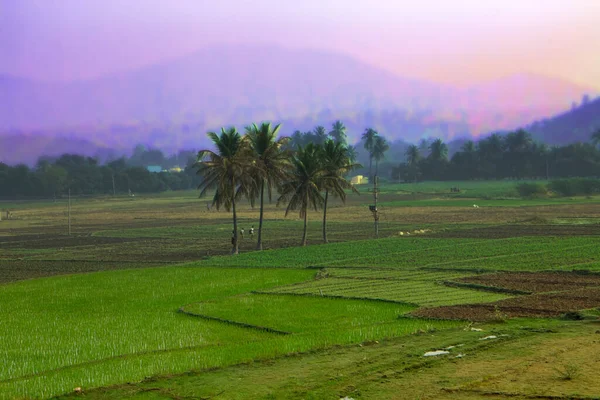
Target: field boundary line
[
  {"x": 484, "y": 288},
  {"x": 231, "y": 322},
  {"x": 99, "y": 361},
  {"x": 334, "y": 296}
]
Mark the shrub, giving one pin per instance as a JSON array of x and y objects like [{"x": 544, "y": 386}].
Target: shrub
[
  {"x": 575, "y": 186},
  {"x": 531, "y": 190}
]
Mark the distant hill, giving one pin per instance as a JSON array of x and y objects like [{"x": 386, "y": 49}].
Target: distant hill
[
  {"x": 576, "y": 125},
  {"x": 27, "y": 148},
  {"x": 172, "y": 105}
]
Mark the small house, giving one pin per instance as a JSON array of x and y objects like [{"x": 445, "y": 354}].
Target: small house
[
  {"x": 154, "y": 168},
  {"x": 359, "y": 180}
]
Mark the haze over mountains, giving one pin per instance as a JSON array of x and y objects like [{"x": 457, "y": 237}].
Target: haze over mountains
[{"x": 173, "y": 104}]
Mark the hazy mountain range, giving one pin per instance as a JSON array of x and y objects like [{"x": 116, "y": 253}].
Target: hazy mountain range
[{"x": 173, "y": 104}]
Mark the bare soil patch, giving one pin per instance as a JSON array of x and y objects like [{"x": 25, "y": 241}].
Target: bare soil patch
[
  {"x": 535, "y": 282},
  {"x": 507, "y": 231},
  {"x": 57, "y": 241},
  {"x": 537, "y": 306}
]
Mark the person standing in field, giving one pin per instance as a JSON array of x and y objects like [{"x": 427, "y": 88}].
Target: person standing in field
[
  {"x": 252, "y": 232},
  {"x": 242, "y": 233}
]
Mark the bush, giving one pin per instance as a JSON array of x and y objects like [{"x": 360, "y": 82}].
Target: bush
[
  {"x": 531, "y": 190},
  {"x": 575, "y": 186}
]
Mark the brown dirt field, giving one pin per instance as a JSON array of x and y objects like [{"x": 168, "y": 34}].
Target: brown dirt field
[
  {"x": 535, "y": 282},
  {"x": 537, "y": 306},
  {"x": 57, "y": 241},
  {"x": 507, "y": 231}
]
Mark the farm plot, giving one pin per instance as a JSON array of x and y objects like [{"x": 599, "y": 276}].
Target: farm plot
[
  {"x": 554, "y": 294},
  {"x": 536, "y": 306},
  {"x": 535, "y": 282},
  {"x": 413, "y": 287},
  {"x": 524, "y": 253},
  {"x": 511, "y": 230},
  {"x": 116, "y": 326},
  {"x": 318, "y": 321}
]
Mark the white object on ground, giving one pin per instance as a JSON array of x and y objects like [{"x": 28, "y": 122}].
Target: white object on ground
[
  {"x": 489, "y": 337},
  {"x": 436, "y": 353}
]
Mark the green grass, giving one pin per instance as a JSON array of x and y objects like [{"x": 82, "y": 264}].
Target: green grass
[
  {"x": 520, "y": 253},
  {"x": 444, "y": 202},
  {"x": 113, "y": 327},
  {"x": 102, "y": 328},
  {"x": 416, "y": 287},
  {"x": 469, "y": 189},
  {"x": 321, "y": 321},
  {"x": 108, "y": 327}
]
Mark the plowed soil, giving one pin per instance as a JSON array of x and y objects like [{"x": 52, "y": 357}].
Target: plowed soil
[
  {"x": 507, "y": 231},
  {"x": 535, "y": 282},
  {"x": 537, "y": 306},
  {"x": 555, "y": 294},
  {"x": 58, "y": 241}
]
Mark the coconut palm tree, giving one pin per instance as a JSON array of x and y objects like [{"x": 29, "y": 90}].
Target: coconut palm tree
[
  {"x": 338, "y": 132},
  {"x": 379, "y": 148},
  {"x": 439, "y": 150},
  {"x": 270, "y": 163},
  {"x": 352, "y": 153},
  {"x": 336, "y": 164},
  {"x": 369, "y": 137},
  {"x": 321, "y": 134},
  {"x": 225, "y": 170},
  {"x": 302, "y": 190},
  {"x": 413, "y": 156}
]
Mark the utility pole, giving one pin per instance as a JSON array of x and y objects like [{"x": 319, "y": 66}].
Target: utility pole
[
  {"x": 113, "y": 182},
  {"x": 69, "y": 212},
  {"x": 373, "y": 208}
]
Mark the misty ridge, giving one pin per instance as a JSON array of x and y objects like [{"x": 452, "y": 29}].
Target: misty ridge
[{"x": 172, "y": 105}]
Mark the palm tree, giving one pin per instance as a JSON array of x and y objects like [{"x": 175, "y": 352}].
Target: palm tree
[
  {"x": 413, "y": 155},
  {"x": 336, "y": 163},
  {"x": 270, "y": 161},
  {"x": 338, "y": 132},
  {"x": 225, "y": 170},
  {"x": 301, "y": 190},
  {"x": 439, "y": 150},
  {"x": 369, "y": 138},
  {"x": 321, "y": 134},
  {"x": 352, "y": 153},
  {"x": 379, "y": 149}
]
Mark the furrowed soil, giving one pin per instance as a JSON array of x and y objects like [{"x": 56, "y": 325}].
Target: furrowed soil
[
  {"x": 535, "y": 282},
  {"x": 556, "y": 294},
  {"x": 506, "y": 231}
]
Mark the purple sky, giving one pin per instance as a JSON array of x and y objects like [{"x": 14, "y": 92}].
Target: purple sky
[{"x": 458, "y": 42}]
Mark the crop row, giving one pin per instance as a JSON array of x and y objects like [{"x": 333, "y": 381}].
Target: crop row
[
  {"x": 318, "y": 319},
  {"x": 421, "y": 292},
  {"x": 391, "y": 274},
  {"x": 409, "y": 252},
  {"x": 108, "y": 327}
]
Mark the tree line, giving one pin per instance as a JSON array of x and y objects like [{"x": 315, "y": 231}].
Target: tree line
[
  {"x": 257, "y": 163},
  {"x": 512, "y": 156},
  {"x": 86, "y": 176}
]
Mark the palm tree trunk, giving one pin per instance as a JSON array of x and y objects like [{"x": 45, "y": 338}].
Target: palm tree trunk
[
  {"x": 370, "y": 165},
  {"x": 305, "y": 205},
  {"x": 260, "y": 219},
  {"x": 325, "y": 217},
  {"x": 376, "y": 167},
  {"x": 235, "y": 248}
]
